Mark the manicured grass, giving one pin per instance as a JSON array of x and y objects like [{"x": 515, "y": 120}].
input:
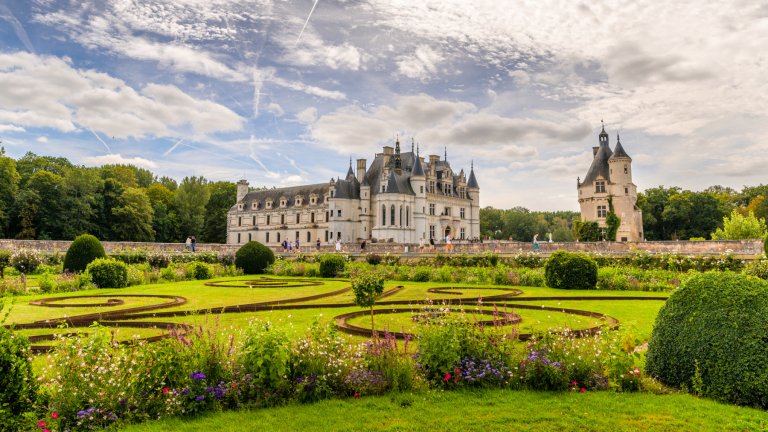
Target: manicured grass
[{"x": 492, "y": 410}]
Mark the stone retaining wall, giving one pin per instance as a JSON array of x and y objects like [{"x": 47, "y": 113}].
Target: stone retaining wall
[{"x": 745, "y": 248}]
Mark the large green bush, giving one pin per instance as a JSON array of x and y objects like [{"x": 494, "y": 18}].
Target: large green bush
[
  {"x": 17, "y": 382},
  {"x": 254, "y": 258},
  {"x": 710, "y": 337},
  {"x": 568, "y": 270},
  {"x": 81, "y": 252},
  {"x": 108, "y": 273},
  {"x": 199, "y": 271},
  {"x": 331, "y": 265}
]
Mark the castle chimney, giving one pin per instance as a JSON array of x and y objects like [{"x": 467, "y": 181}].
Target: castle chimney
[
  {"x": 360, "y": 170},
  {"x": 242, "y": 189}
]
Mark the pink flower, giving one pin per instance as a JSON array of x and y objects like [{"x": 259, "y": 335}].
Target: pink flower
[
  {"x": 357, "y": 395},
  {"x": 447, "y": 377},
  {"x": 165, "y": 390},
  {"x": 583, "y": 390},
  {"x": 55, "y": 414},
  {"x": 41, "y": 424}
]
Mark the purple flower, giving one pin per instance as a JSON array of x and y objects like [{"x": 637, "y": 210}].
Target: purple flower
[
  {"x": 197, "y": 376},
  {"x": 199, "y": 398}
]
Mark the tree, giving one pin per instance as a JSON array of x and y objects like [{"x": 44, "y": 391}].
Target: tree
[
  {"x": 165, "y": 222},
  {"x": 491, "y": 221},
  {"x": 111, "y": 191},
  {"x": 223, "y": 197},
  {"x": 47, "y": 186},
  {"x": 123, "y": 174},
  {"x": 612, "y": 222},
  {"x": 367, "y": 287},
  {"x": 653, "y": 202},
  {"x": 27, "y": 214},
  {"x": 740, "y": 227},
  {"x": 32, "y": 163},
  {"x": 9, "y": 187},
  {"x": 692, "y": 214},
  {"x": 79, "y": 202},
  {"x": 189, "y": 202},
  {"x": 133, "y": 217}
]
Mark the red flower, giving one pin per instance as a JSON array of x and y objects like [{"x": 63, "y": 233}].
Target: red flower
[
  {"x": 583, "y": 390},
  {"x": 457, "y": 371},
  {"x": 447, "y": 377},
  {"x": 55, "y": 415},
  {"x": 46, "y": 430},
  {"x": 41, "y": 424},
  {"x": 574, "y": 383},
  {"x": 165, "y": 390},
  {"x": 357, "y": 395}
]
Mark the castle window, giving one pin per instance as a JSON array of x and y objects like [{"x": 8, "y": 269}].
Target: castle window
[
  {"x": 282, "y": 203},
  {"x": 383, "y": 215},
  {"x": 312, "y": 217},
  {"x": 239, "y": 222},
  {"x": 238, "y": 237},
  {"x": 268, "y": 218},
  {"x": 602, "y": 211},
  {"x": 297, "y": 235},
  {"x": 626, "y": 191},
  {"x": 599, "y": 186},
  {"x": 298, "y": 217},
  {"x": 278, "y": 237},
  {"x": 269, "y": 204},
  {"x": 462, "y": 233},
  {"x": 338, "y": 212},
  {"x": 626, "y": 169},
  {"x": 431, "y": 231},
  {"x": 309, "y": 237},
  {"x": 407, "y": 216},
  {"x": 254, "y": 221},
  {"x": 421, "y": 189},
  {"x": 401, "y": 216},
  {"x": 282, "y": 219},
  {"x": 267, "y": 240},
  {"x": 239, "y": 206},
  {"x": 392, "y": 215},
  {"x": 249, "y": 237},
  {"x": 254, "y": 206},
  {"x": 461, "y": 212},
  {"x": 432, "y": 209}
]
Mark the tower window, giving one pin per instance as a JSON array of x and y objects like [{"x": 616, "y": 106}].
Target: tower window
[
  {"x": 602, "y": 211},
  {"x": 599, "y": 186},
  {"x": 626, "y": 169},
  {"x": 626, "y": 191}
]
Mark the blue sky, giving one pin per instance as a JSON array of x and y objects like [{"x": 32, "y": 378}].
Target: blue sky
[{"x": 284, "y": 92}]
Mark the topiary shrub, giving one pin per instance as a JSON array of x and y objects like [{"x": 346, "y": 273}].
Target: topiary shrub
[
  {"x": 373, "y": 259},
  {"x": 199, "y": 271},
  {"x": 331, "y": 265},
  {"x": 18, "y": 385},
  {"x": 710, "y": 338},
  {"x": 5, "y": 261},
  {"x": 568, "y": 270},
  {"x": 84, "y": 249},
  {"x": 108, "y": 273},
  {"x": 254, "y": 258}
]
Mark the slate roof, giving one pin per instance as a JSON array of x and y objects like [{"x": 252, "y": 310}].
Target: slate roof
[
  {"x": 472, "y": 181},
  {"x": 619, "y": 152},
  {"x": 599, "y": 165},
  {"x": 289, "y": 193}
]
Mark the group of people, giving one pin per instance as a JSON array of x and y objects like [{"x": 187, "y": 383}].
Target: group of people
[
  {"x": 289, "y": 246},
  {"x": 190, "y": 244}
]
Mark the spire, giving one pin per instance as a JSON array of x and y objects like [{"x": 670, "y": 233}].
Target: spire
[
  {"x": 412, "y": 143},
  {"x": 445, "y": 156},
  {"x": 603, "y": 137},
  {"x": 472, "y": 182},
  {"x": 418, "y": 170},
  {"x": 350, "y": 173},
  {"x": 619, "y": 151},
  {"x": 398, "y": 161}
]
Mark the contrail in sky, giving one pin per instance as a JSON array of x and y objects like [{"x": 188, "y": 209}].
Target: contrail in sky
[
  {"x": 102, "y": 141},
  {"x": 7, "y": 15},
  {"x": 173, "y": 147},
  {"x": 306, "y": 22}
]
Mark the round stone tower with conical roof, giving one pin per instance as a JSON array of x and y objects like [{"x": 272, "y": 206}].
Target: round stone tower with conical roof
[{"x": 609, "y": 178}]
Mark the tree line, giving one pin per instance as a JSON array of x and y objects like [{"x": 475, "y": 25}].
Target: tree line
[
  {"x": 49, "y": 198},
  {"x": 669, "y": 213}
]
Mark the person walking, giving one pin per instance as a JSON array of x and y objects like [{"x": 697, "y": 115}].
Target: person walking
[
  {"x": 194, "y": 243},
  {"x": 285, "y": 246},
  {"x": 448, "y": 244},
  {"x": 297, "y": 246},
  {"x": 317, "y": 245},
  {"x": 188, "y": 244},
  {"x": 338, "y": 245},
  {"x": 536, "y": 247}
]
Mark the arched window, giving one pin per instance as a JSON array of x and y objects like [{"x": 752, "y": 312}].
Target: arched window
[
  {"x": 278, "y": 237},
  {"x": 408, "y": 216},
  {"x": 392, "y": 215},
  {"x": 383, "y": 215},
  {"x": 401, "y": 216},
  {"x": 282, "y": 219},
  {"x": 312, "y": 217}
]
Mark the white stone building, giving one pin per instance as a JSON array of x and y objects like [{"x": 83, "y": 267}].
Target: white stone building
[
  {"x": 399, "y": 198},
  {"x": 610, "y": 176}
]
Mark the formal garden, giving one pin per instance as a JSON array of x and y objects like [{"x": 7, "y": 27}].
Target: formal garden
[{"x": 152, "y": 341}]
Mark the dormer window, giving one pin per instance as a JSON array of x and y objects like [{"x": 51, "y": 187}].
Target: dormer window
[
  {"x": 254, "y": 206},
  {"x": 269, "y": 204},
  {"x": 298, "y": 200},
  {"x": 599, "y": 187},
  {"x": 240, "y": 207},
  {"x": 283, "y": 202}
]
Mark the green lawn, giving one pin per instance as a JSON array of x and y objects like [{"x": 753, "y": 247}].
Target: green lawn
[{"x": 492, "y": 410}]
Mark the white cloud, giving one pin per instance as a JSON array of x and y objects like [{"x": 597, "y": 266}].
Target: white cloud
[
  {"x": 117, "y": 159},
  {"x": 11, "y": 128},
  {"x": 422, "y": 64},
  {"x": 49, "y": 92},
  {"x": 42, "y": 139},
  {"x": 308, "y": 115}
]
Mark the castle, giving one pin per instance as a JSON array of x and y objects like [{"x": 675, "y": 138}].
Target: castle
[
  {"x": 400, "y": 197},
  {"x": 610, "y": 176}
]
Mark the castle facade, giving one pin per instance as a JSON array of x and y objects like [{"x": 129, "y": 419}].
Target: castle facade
[{"x": 400, "y": 197}]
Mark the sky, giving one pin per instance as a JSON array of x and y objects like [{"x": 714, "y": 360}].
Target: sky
[{"x": 284, "y": 92}]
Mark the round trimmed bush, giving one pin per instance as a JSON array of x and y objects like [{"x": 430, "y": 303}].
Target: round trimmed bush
[
  {"x": 108, "y": 273},
  {"x": 254, "y": 258},
  {"x": 331, "y": 265},
  {"x": 84, "y": 249},
  {"x": 17, "y": 382},
  {"x": 568, "y": 270},
  {"x": 710, "y": 337},
  {"x": 199, "y": 271}
]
